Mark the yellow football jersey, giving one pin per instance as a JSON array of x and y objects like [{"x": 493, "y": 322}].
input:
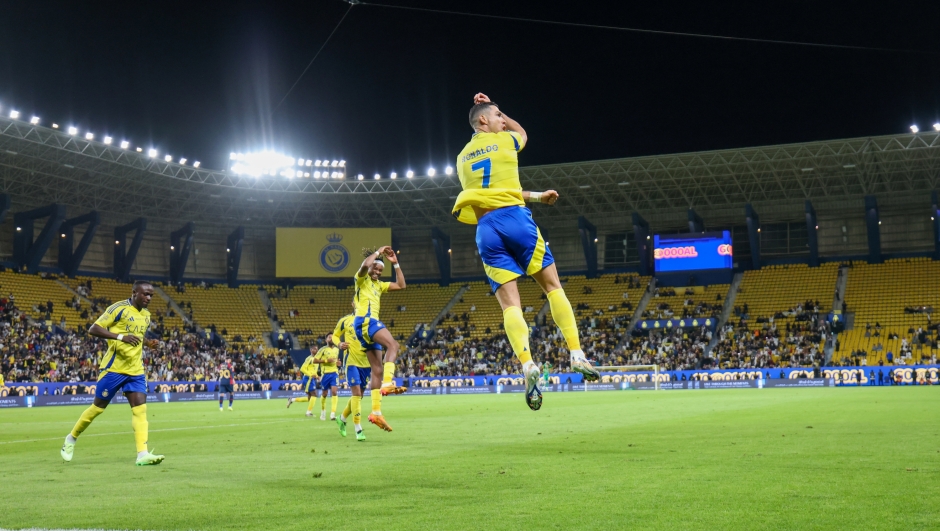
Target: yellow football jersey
[
  {"x": 346, "y": 331},
  {"x": 123, "y": 318},
  {"x": 488, "y": 168},
  {"x": 309, "y": 368},
  {"x": 324, "y": 354},
  {"x": 368, "y": 295}
]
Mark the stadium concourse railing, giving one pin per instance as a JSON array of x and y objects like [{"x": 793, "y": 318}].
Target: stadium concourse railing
[{"x": 39, "y": 394}]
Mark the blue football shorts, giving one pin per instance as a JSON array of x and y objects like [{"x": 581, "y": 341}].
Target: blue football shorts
[
  {"x": 328, "y": 380},
  {"x": 365, "y": 328},
  {"x": 358, "y": 376},
  {"x": 110, "y": 383},
  {"x": 511, "y": 245},
  {"x": 308, "y": 384}
]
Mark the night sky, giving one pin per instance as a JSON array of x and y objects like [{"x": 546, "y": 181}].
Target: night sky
[{"x": 392, "y": 88}]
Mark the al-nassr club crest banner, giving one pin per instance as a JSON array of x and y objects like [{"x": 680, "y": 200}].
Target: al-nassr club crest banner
[{"x": 325, "y": 253}]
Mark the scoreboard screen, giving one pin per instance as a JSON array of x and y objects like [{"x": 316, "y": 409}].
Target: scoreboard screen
[{"x": 692, "y": 252}]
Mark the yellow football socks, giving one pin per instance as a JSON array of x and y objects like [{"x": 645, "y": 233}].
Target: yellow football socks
[
  {"x": 377, "y": 401},
  {"x": 323, "y": 403},
  {"x": 564, "y": 318},
  {"x": 87, "y": 416},
  {"x": 310, "y": 404},
  {"x": 333, "y": 402},
  {"x": 301, "y": 399},
  {"x": 518, "y": 332},
  {"x": 347, "y": 411},
  {"x": 356, "y": 402},
  {"x": 140, "y": 425},
  {"x": 388, "y": 372}
]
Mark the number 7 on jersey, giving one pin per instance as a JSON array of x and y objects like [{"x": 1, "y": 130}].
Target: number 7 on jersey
[{"x": 486, "y": 165}]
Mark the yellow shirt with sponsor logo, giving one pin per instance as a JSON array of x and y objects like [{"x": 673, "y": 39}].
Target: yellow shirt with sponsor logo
[
  {"x": 488, "y": 168},
  {"x": 346, "y": 331},
  {"x": 324, "y": 354},
  {"x": 123, "y": 318},
  {"x": 368, "y": 295}
]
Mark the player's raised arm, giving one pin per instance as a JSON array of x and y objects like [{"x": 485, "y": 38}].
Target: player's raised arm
[
  {"x": 367, "y": 263},
  {"x": 511, "y": 125},
  {"x": 399, "y": 276},
  {"x": 548, "y": 197}
]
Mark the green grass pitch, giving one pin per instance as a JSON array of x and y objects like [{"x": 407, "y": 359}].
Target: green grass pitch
[{"x": 731, "y": 459}]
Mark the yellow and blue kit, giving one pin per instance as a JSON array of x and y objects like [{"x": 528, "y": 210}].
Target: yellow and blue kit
[
  {"x": 367, "y": 299},
  {"x": 327, "y": 369},
  {"x": 508, "y": 240},
  {"x": 122, "y": 365},
  {"x": 309, "y": 370},
  {"x": 358, "y": 370}
]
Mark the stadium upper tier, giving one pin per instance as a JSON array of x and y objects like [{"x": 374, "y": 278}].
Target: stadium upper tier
[
  {"x": 233, "y": 312},
  {"x": 110, "y": 291},
  {"x": 42, "y": 165},
  {"x": 32, "y": 294},
  {"x": 775, "y": 292}
]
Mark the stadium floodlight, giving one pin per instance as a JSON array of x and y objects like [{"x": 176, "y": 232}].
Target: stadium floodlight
[
  {"x": 183, "y": 161},
  {"x": 342, "y": 164},
  {"x": 196, "y": 164},
  {"x": 316, "y": 175},
  {"x": 89, "y": 136},
  {"x": 448, "y": 170},
  {"x": 936, "y": 126},
  {"x": 152, "y": 153},
  {"x": 172, "y": 248},
  {"x": 34, "y": 120},
  {"x": 140, "y": 150},
  {"x": 335, "y": 163},
  {"x": 117, "y": 242},
  {"x": 18, "y": 229},
  {"x": 409, "y": 174},
  {"x": 431, "y": 172},
  {"x": 300, "y": 161},
  {"x": 228, "y": 250},
  {"x": 317, "y": 163},
  {"x": 168, "y": 158},
  {"x": 377, "y": 176},
  {"x": 14, "y": 114},
  {"x": 108, "y": 140},
  {"x": 73, "y": 130},
  {"x": 308, "y": 163},
  {"x": 63, "y": 235},
  {"x": 264, "y": 163},
  {"x": 394, "y": 175},
  {"x": 360, "y": 177},
  {"x": 55, "y": 125},
  {"x": 915, "y": 129}
]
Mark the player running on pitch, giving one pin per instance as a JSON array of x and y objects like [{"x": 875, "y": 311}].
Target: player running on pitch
[
  {"x": 124, "y": 324},
  {"x": 308, "y": 383},
  {"x": 508, "y": 240},
  {"x": 327, "y": 359},
  {"x": 357, "y": 373},
  {"x": 226, "y": 383},
  {"x": 371, "y": 333}
]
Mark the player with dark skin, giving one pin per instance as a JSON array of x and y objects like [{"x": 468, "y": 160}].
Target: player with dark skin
[
  {"x": 140, "y": 299},
  {"x": 374, "y": 268}
]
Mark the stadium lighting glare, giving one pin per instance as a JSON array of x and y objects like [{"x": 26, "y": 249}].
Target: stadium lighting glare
[
  {"x": 152, "y": 153},
  {"x": 915, "y": 129},
  {"x": 140, "y": 150},
  {"x": 342, "y": 164},
  {"x": 117, "y": 242},
  {"x": 18, "y": 229},
  {"x": 89, "y": 136},
  {"x": 595, "y": 240},
  {"x": 360, "y": 177},
  {"x": 232, "y": 156},
  {"x": 394, "y": 175},
  {"x": 55, "y": 125},
  {"x": 182, "y": 161},
  {"x": 817, "y": 227},
  {"x": 228, "y": 250},
  {"x": 34, "y": 120},
  {"x": 172, "y": 248},
  {"x": 14, "y": 114},
  {"x": 168, "y": 158},
  {"x": 317, "y": 163},
  {"x": 300, "y": 162},
  {"x": 448, "y": 170},
  {"x": 936, "y": 126},
  {"x": 63, "y": 235},
  {"x": 196, "y": 164},
  {"x": 335, "y": 163},
  {"x": 377, "y": 176},
  {"x": 308, "y": 163},
  {"x": 73, "y": 130},
  {"x": 879, "y": 222},
  {"x": 431, "y": 172},
  {"x": 450, "y": 251},
  {"x": 307, "y": 174},
  {"x": 265, "y": 163},
  {"x": 758, "y": 230},
  {"x": 108, "y": 140},
  {"x": 316, "y": 175}
]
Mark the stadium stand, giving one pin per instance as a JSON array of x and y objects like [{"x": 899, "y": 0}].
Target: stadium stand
[
  {"x": 236, "y": 314},
  {"x": 779, "y": 316},
  {"x": 33, "y": 295},
  {"x": 478, "y": 314},
  {"x": 696, "y": 301},
  {"x": 892, "y": 304}
]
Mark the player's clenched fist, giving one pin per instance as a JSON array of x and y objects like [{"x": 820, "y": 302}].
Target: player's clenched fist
[
  {"x": 480, "y": 98},
  {"x": 549, "y": 197}
]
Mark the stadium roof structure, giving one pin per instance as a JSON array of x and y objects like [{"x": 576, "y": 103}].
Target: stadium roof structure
[{"x": 39, "y": 166}]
